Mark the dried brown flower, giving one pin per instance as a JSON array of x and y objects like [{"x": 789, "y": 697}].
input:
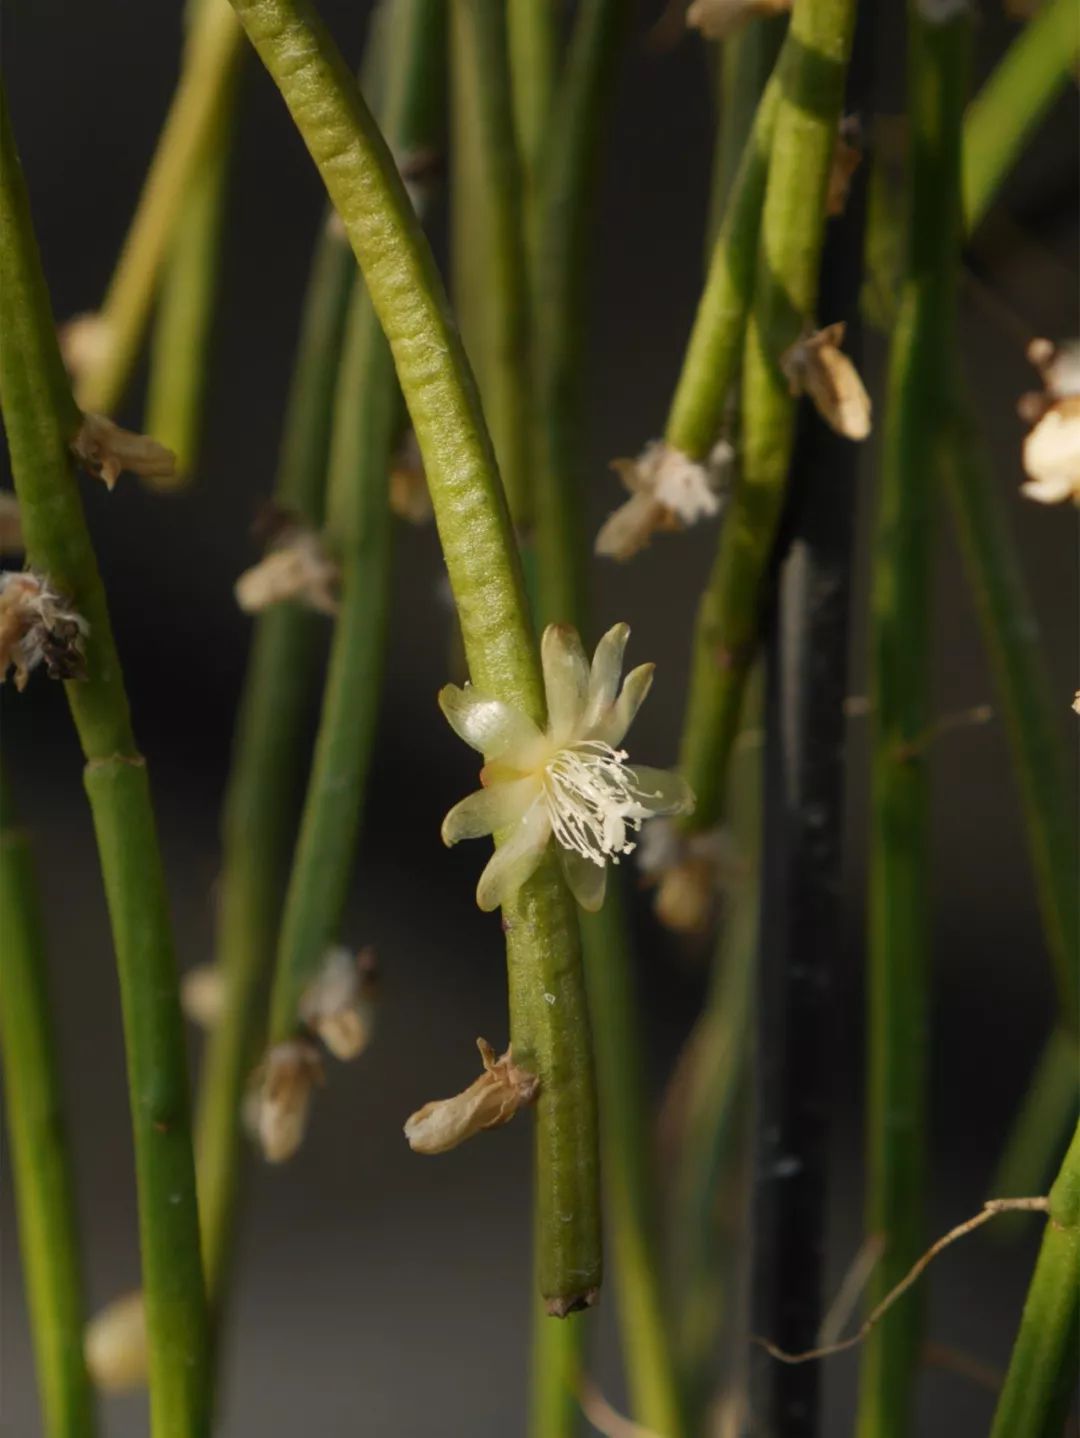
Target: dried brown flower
[
  {"x": 38, "y": 627},
  {"x": 106, "y": 451},
  {"x": 669, "y": 491},
  {"x": 297, "y": 567},
  {"x": 283, "y": 1086},
  {"x": 338, "y": 1004},
  {"x": 719, "y": 19},
  {"x": 489, "y": 1101},
  {"x": 115, "y": 1345},
  {"x": 815, "y": 365}
]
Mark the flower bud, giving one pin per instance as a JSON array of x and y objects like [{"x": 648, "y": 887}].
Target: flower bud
[
  {"x": 338, "y": 1004},
  {"x": 282, "y": 1097},
  {"x": 115, "y": 1345},
  {"x": 202, "y": 995},
  {"x": 668, "y": 491},
  {"x": 489, "y": 1101}
]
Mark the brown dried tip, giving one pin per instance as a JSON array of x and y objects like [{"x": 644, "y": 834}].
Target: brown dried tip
[
  {"x": 489, "y": 1101},
  {"x": 719, "y": 19},
  {"x": 847, "y": 157},
  {"x": 282, "y": 1097},
  {"x": 106, "y": 451},
  {"x": 815, "y": 365},
  {"x": 564, "y": 1305},
  {"x": 11, "y": 536},
  {"x": 38, "y": 627},
  {"x": 410, "y": 498},
  {"x": 338, "y": 1004},
  {"x": 115, "y": 1345},
  {"x": 296, "y": 567}
]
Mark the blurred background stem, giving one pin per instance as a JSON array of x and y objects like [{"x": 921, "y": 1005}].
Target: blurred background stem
[
  {"x": 38, "y": 1155},
  {"x": 742, "y": 64}
]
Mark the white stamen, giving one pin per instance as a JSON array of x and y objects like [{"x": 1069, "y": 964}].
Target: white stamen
[{"x": 592, "y": 799}]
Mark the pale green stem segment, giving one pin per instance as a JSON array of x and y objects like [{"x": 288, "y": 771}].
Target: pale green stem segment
[
  {"x": 40, "y": 419},
  {"x": 179, "y": 348},
  {"x": 533, "y": 40},
  {"x": 743, "y": 64},
  {"x": 1041, "y": 1128},
  {"x": 916, "y": 426},
  {"x": 490, "y": 236},
  {"x": 807, "y": 92},
  {"x": 555, "y": 1371},
  {"x": 38, "y": 1155},
  {"x": 485, "y": 574},
  {"x": 1041, "y": 1382},
  {"x": 257, "y": 830},
  {"x": 1033, "y": 72},
  {"x": 204, "y": 88}
]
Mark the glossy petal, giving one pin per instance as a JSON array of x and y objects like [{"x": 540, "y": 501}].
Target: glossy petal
[
  {"x": 612, "y": 729},
  {"x": 662, "y": 791},
  {"x": 516, "y": 859},
  {"x": 587, "y": 881},
  {"x": 566, "y": 679},
  {"x": 487, "y": 724},
  {"x": 605, "y": 673},
  {"x": 489, "y": 809}
]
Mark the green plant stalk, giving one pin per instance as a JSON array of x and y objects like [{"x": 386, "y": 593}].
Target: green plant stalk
[
  {"x": 39, "y": 1158},
  {"x": 901, "y": 626},
  {"x": 210, "y": 57},
  {"x": 533, "y": 41},
  {"x": 1041, "y": 1128},
  {"x": 492, "y": 199},
  {"x": 1043, "y": 1367},
  {"x": 1035, "y": 69},
  {"x": 543, "y": 950},
  {"x": 179, "y": 347},
  {"x": 40, "y": 418},
  {"x": 555, "y": 1371},
  {"x": 265, "y": 774},
  {"x": 808, "y": 96},
  {"x": 743, "y": 63}
]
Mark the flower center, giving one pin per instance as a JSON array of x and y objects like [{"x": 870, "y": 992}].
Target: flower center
[{"x": 592, "y": 800}]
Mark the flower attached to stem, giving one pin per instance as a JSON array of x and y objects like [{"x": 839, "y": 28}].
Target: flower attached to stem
[
  {"x": 115, "y": 1345},
  {"x": 1051, "y": 452},
  {"x": 296, "y": 566},
  {"x": 668, "y": 491},
  {"x": 37, "y": 626},
  {"x": 106, "y": 451},
  {"x": 281, "y": 1097},
  {"x": 490, "y": 1101},
  {"x": 85, "y": 343},
  {"x": 690, "y": 872},
  {"x": 338, "y": 1004},
  {"x": 202, "y": 995},
  {"x": 816, "y": 365},
  {"x": 571, "y": 782},
  {"x": 11, "y": 535},
  {"x": 720, "y": 19}
]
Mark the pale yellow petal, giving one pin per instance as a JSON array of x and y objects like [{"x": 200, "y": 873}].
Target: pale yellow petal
[
  {"x": 489, "y": 809},
  {"x": 605, "y": 673},
  {"x": 566, "y": 679},
  {"x": 495, "y": 729},
  {"x": 612, "y": 729},
  {"x": 516, "y": 859},
  {"x": 662, "y": 791},
  {"x": 587, "y": 881}
]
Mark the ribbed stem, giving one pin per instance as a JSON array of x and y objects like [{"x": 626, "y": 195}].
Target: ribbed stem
[
  {"x": 899, "y": 934},
  {"x": 485, "y": 575},
  {"x": 205, "y": 85},
  {"x": 40, "y": 419},
  {"x": 38, "y": 1156},
  {"x": 1040, "y": 1385}
]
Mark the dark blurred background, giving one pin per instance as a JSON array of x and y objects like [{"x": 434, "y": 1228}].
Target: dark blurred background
[{"x": 378, "y": 1291}]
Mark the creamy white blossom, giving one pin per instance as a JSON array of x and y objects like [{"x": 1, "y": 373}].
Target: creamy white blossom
[
  {"x": 570, "y": 782},
  {"x": 689, "y": 873},
  {"x": 338, "y": 1004},
  {"x": 668, "y": 491},
  {"x": 280, "y": 1099},
  {"x": 1051, "y": 451},
  {"x": 298, "y": 567},
  {"x": 115, "y": 1345}
]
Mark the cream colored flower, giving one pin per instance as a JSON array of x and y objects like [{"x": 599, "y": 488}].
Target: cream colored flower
[
  {"x": 11, "y": 535},
  {"x": 719, "y": 19},
  {"x": 297, "y": 567},
  {"x": 1051, "y": 454},
  {"x": 816, "y": 365},
  {"x": 490, "y": 1101},
  {"x": 106, "y": 451},
  {"x": 85, "y": 343},
  {"x": 281, "y": 1097},
  {"x": 338, "y": 1004},
  {"x": 38, "y": 627},
  {"x": 689, "y": 872},
  {"x": 571, "y": 782},
  {"x": 202, "y": 995},
  {"x": 115, "y": 1345},
  {"x": 668, "y": 491}
]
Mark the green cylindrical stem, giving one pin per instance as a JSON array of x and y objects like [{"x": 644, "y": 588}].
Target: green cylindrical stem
[
  {"x": 555, "y": 1371},
  {"x": 1034, "y": 70},
  {"x": 1041, "y": 1382},
  {"x": 1041, "y": 1128},
  {"x": 205, "y": 85},
  {"x": 743, "y": 63},
  {"x": 40, "y": 419},
  {"x": 38, "y": 1154},
  {"x": 532, "y": 37},
  {"x": 899, "y": 932}
]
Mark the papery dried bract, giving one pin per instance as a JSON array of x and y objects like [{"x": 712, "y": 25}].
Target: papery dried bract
[
  {"x": 338, "y": 1004},
  {"x": 37, "y": 626},
  {"x": 489, "y": 1101},
  {"x": 107, "y": 451},
  {"x": 816, "y": 365},
  {"x": 284, "y": 1085},
  {"x": 719, "y": 19},
  {"x": 115, "y": 1345},
  {"x": 296, "y": 567}
]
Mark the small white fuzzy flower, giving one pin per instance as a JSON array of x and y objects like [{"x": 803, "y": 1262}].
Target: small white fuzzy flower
[
  {"x": 37, "y": 626},
  {"x": 668, "y": 491},
  {"x": 1051, "y": 454},
  {"x": 570, "y": 782},
  {"x": 281, "y": 1097},
  {"x": 11, "y": 535},
  {"x": 689, "y": 872},
  {"x": 719, "y": 19},
  {"x": 816, "y": 365},
  {"x": 202, "y": 995},
  {"x": 106, "y": 451},
  {"x": 115, "y": 1345},
  {"x": 490, "y": 1101},
  {"x": 296, "y": 567},
  {"x": 338, "y": 1004}
]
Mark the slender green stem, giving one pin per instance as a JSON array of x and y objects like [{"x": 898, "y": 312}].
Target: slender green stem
[
  {"x": 744, "y": 62},
  {"x": 257, "y": 821},
  {"x": 1041, "y": 1128},
  {"x": 494, "y": 271},
  {"x": 543, "y": 951},
  {"x": 1033, "y": 72},
  {"x": 205, "y": 85},
  {"x": 805, "y": 99},
  {"x": 532, "y": 35},
  {"x": 179, "y": 350},
  {"x": 1041, "y": 1382},
  {"x": 39, "y": 1159},
  {"x": 915, "y": 430},
  {"x": 40, "y": 419},
  {"x": 555, "y": 1371}
]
